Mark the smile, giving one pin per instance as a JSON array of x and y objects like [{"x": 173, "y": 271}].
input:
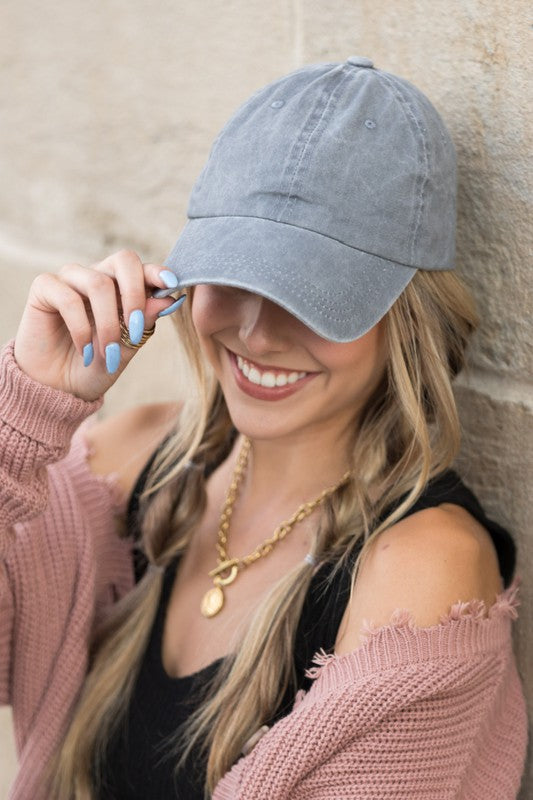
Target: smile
[
  {"x": 268, "y": 377},
  {"x": 267, "y": 383}
]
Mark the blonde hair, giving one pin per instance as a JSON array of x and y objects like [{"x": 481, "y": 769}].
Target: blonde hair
[{"x": 408, "y": 432}]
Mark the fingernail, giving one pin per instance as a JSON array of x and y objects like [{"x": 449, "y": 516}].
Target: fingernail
[
  {"x": 136, "y": 326},
  {"x": 173, "y": 307},
  {"x": 112, "y": 357},
  {"x": 169, "y": 279},
  {"x": 159, "y": 293},
  {"x": 88, "y": 354}
]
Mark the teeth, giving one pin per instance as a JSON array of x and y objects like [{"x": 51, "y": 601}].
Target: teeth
[
  {"x": 254, "y": 376},
  {"x": 268, "y": 379}
]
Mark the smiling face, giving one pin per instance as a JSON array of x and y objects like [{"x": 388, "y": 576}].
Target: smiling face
[{"x": 279, "y": 378}]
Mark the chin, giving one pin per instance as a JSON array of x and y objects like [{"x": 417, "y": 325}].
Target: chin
[{"x": 261, "y": 427}]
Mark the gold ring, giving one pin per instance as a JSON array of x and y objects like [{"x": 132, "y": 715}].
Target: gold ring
[{"x": 125, "y": 336}]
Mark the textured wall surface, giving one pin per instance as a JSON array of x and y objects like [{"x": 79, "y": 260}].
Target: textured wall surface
[{"x": 108, "y": 114}]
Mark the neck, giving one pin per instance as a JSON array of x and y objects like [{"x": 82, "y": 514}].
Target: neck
[{"x": 296, "y": 468}]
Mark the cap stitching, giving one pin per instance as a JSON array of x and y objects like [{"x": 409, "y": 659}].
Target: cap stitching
[
  {"x": 421, "y": 182},
  {"x": 264, "y": 267},
  {"x": 289, "y": 202}
]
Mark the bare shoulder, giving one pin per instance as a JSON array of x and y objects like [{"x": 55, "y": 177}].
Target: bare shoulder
[
  {"x": 122, "y": 444},
  {"x": 424, "y": 564}
]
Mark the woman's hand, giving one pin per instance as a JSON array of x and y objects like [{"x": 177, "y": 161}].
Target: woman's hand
[{"x": 69, "y": 334}]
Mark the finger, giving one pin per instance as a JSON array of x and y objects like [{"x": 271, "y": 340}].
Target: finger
[
  {"x": 135, "y": 281},
  {"x": 51, "y": 294},
  {"x": 155, "y": 275},
  {"x": 128, "y": 271},
  {"x": 163, "y": 277},
  {"x": 159, "y": 293},
  {"x": 159, "y": 301},
  {"x": 101, "y": 292},
  {"x": 173, "y": 307}
]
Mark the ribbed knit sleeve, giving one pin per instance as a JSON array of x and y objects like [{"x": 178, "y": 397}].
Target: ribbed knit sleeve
[
  {"x": 432, "y": 713},
  {"x": 36, "y": 426},
  {"x": 62, "y": 562}
]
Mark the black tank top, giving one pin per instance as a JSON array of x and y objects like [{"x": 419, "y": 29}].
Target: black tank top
[{"x": 136, "y": 767}]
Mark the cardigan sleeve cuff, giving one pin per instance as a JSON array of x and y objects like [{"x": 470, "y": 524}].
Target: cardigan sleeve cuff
[{"x": 49, "y": 416}]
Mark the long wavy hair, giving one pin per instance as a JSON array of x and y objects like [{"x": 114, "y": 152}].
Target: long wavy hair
[{"x": 408, "y": 432}]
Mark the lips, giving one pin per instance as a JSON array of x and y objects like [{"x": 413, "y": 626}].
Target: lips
[
  {"x": 267, "y": 376},
  {"x": 267, "y": 383}
]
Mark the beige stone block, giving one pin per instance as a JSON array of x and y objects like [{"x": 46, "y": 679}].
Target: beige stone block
[
  {"x": 109, "y": 112},
  {"x": 473, "y": 60},
  {"x": 496, "y": 461}
]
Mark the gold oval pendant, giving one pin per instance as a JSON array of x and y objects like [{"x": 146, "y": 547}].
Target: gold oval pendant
[{"x": 212, "y": 602}]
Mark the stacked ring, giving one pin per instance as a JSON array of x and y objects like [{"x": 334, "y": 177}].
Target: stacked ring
[{"x": 125, "y": 336}]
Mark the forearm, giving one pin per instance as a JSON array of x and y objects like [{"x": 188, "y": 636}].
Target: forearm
[{"x": 36, "y": 426}]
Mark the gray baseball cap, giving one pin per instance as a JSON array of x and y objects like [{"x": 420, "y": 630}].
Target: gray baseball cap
[{"x": 325, "y": 192}]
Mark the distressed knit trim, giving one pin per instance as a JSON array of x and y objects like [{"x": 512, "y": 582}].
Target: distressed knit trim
[
  {"x": 81, "y": 452},
  {"x": 466, "y": 630},
  {"x": 374, "y": 719}
]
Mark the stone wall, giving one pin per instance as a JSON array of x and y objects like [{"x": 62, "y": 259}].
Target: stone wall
[{"x": 108, "y": 113}]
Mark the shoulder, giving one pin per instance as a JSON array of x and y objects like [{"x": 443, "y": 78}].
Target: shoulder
[
  {"x": 122, "y": 444},
  {"x": 424, "y": 564}
]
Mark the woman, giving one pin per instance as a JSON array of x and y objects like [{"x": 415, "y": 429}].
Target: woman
[{"x": 298, "y": 509}]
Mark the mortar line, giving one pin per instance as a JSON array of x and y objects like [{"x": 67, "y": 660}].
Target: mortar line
[{"x": 498, "y": 386}]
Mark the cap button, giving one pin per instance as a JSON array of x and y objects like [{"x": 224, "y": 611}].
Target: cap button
[{"x": 359, "y": 61}]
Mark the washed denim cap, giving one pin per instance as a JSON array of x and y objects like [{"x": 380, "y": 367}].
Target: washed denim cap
[{"x": 325, "y": 192}]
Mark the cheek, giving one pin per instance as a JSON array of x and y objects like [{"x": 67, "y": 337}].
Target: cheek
[
  {"x": 358, "y": 363},
  {"x": 209, "y": 313}
]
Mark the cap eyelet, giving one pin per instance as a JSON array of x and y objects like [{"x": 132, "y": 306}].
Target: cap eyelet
[
  {"x": 369, "y": 123},
  {"x": 277, "y": 104}
]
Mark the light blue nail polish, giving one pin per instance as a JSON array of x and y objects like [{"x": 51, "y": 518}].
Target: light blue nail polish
[
  {"x": 136, "y": 326},
  {"x": 173, "y": 307},
  {"x": 158, "y": 293},
  {"x": 88, "y": 354},
  {"x": 112, "y": 357},
  {"x": 169, "y": 279}
]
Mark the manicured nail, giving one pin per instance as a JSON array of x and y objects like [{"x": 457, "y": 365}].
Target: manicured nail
[
  {"x": 112, "y": 357},
  {"x": 136, "y": 326},
  {"x": 88, "y": 354},
  {"x": 159, "y": 293},
  {"x": 173, "y": 307},
  {"x": 169, "y": 279}
]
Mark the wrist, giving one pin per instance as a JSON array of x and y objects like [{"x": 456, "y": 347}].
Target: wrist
[{"x": 36, "y": 410}]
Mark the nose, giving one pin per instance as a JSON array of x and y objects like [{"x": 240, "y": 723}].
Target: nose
[{"x": 261, "y": 329}]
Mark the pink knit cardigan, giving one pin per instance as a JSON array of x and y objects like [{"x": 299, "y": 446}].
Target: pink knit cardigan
[{"x": 414, "y": 713}]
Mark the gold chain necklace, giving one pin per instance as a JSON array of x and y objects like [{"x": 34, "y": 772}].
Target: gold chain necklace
[{"x": 213, "y": 599}]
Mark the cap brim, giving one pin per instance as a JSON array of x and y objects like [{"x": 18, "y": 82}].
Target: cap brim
[{"x": 336, "y": 290}]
